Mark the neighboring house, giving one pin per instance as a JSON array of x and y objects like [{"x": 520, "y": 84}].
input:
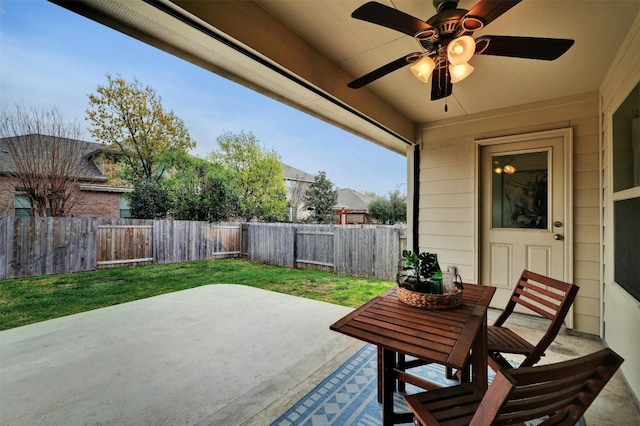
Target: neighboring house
[
  {"x": 297, "y": 183},
  {"x": 352, "y": 207},
  {"x": 97, "y": 198}
]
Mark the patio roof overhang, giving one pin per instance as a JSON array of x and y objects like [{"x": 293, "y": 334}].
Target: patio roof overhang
[
  {"x": 263, "y": 59},
  {"x": 304, "y": 53}
]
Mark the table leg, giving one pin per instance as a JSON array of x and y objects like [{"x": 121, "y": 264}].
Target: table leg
[
  {"x": 387, "y": 386},
  {"x": 479, "y": 357},
  {"x": 380, "y": 369},
  {"x": 402, "y": 359}
]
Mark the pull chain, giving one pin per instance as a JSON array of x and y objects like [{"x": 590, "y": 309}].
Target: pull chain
[{"x": 446, "y": 100}]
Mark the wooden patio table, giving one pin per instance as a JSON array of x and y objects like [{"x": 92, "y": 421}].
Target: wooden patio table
[{"x": 451, "y": 338}]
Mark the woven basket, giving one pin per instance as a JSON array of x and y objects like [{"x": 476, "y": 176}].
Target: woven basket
[{"x": 438, "y": 302}]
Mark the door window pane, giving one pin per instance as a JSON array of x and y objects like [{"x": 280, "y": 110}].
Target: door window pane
[{"x": 520, "y": 190}]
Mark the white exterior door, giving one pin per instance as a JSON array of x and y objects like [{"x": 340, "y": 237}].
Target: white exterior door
[{"x": 524, "y": 220}]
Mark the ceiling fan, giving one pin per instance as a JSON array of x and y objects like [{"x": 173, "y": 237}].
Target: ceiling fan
[{"x": 447, "y": 45}]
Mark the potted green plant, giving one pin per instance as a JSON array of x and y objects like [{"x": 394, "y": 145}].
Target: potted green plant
[
  {"x": 420, "y": 272},
  {"x": 420, "y": 283}
]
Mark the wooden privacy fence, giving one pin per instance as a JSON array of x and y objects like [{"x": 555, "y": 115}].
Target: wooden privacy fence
[
  {"x": 31, "y": 246},
  {"x": 41, "y": 246},
  {"x": 124, "y": 242},
  {"x": 364, "y": 251},
  {"x": 183, "y": 241}
]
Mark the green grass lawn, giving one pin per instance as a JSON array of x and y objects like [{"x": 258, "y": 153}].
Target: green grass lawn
[{"x": 28, "y": 300}]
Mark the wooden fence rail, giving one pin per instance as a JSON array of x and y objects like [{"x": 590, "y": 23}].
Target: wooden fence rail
[{"x": 43, "y": 246}]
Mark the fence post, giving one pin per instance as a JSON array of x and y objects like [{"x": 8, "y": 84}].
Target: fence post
[
  {"x": 5, "y": 241},
  {"x": 245, "y": 239},
  {"x": 295, "y": 247}
]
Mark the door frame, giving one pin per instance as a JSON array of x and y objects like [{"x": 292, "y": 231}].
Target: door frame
[{"x": 567, "y": 141}]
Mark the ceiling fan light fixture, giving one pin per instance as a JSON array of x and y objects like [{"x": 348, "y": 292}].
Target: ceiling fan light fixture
[
  {"x": 423, "y": 68},
  {"x": 460, "y": 72},
  {"x": 437, "y": 38},
  {"x": 461, "y": 49}
]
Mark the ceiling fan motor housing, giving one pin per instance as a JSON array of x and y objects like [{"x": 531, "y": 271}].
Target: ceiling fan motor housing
[
  {"x": 447, "y": 27},
  {"x": 441, "y": 5}
]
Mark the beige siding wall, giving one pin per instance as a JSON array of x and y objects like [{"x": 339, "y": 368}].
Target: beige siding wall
[
  {"x": 447, "y": 212},
  {"x": 586, "y": 242},
  {"x": 621, "y": 312},
  {"x": 448, "y": 188}
]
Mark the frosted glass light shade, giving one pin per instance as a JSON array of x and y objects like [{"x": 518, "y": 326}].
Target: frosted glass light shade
[
  {"x": 460, "y": 72},
  {"x": 423, "y": 68},
  {"x": 509, "y": 169},
  {"x": 461, "y": 49}
]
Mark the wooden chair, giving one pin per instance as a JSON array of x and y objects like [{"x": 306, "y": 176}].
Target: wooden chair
[
  {"x": 549, "y": 298},
  {"x": 561, "y": 391},
  {"x": 545, "y": 296}
]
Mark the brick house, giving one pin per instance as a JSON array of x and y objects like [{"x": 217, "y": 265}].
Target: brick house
[{"x": 97, "y": 198}]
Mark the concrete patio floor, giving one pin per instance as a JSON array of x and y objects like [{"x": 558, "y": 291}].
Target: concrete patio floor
[{"x": 213, "y": 355}]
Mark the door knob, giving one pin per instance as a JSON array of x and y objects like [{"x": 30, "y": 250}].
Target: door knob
[{"x": 558, "y": 237}]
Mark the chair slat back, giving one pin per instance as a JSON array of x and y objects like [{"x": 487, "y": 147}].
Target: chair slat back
[
  {"x": 561, "y": 391},
  {"x": 536, "y": 292},
  {"x": 546, "y": 296}
]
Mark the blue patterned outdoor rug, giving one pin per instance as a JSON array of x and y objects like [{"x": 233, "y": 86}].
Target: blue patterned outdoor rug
[{"x": 349, "y": 395}]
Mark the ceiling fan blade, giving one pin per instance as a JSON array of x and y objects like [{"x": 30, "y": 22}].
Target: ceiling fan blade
[
  {"x": 483, "y": 13},
  {"x": 389, "y": 17},
  {"x": 382, "y": 71},
  {"x": 546, "y": 49},
  {"x": 441, "y": 86}
]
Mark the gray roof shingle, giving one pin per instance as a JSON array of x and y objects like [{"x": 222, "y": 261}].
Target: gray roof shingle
[
  {"x": 352, "y": 200},
  {"x": 91, "y": 149},
  {"x": 292, "y": 173}
]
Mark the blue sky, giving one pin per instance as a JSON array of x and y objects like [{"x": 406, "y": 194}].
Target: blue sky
[{"x": 50, "y": 56}]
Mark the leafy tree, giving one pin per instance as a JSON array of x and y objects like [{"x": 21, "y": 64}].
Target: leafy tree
[
  {"x": 149, "y": 200},
  {"x": 47, "y": 158},
  {"x": 202, "y": 191},
  {"x": 130, "y": 120},
  {"x": 390, "y": 209},
  {"x": 257, "y": 173},
  {"x": 320, "y": 198}
]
